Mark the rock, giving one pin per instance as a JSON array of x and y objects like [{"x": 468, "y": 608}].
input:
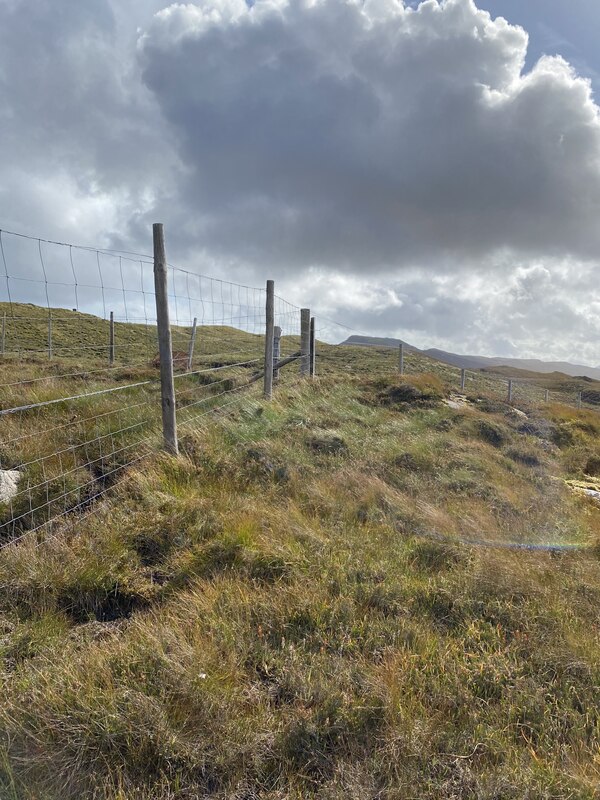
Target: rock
[
  {"x": 587, "y": 488},
  {"x": 515, "y": 413},
  {"x": 9, "y": 484},
  {"x": 456, "y": 401}
]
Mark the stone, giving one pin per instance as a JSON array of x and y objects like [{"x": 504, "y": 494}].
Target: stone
[
  {"x": 9, "y": 484},
  {"x": 456, "y": 401},
  {"x": 516, "y": 413}
]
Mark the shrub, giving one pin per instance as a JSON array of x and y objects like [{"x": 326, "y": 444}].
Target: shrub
[
  {"x": 491, "y": 432},
  {"x": 521, "y": 456},
  {"x": 592, "y": 466}
]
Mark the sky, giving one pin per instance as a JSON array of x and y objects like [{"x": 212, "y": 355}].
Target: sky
[{"x": 423, "y": 170}]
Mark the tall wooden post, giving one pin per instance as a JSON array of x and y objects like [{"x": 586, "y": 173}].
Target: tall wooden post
[
  {"x": 165, "y": 347},
  {"x": 510, "y": 391},
  {"x": 546, "y": 396},
  {"x": 276, "y": 351},
  {"x": 3, "y": 336},
  {"x": 305, "y": 342},
  {"x": 191, "y": 347},
  {"x": 401, "y": 358},
  {"x": 313, "y": 350},
  {"x": 463, "y": 378},
  {"x": 111, "y": 339},
  {"x": 269, "y": 332},
  {"x": 50, "y": 336}
]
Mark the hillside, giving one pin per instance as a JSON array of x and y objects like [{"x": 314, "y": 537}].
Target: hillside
[
  {"x": 483, "y": 362},
  {"x": 377, "y": 341},
  {"x": 354, "y": 591}
]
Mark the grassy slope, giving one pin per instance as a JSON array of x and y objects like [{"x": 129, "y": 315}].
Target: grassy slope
[
  {"x": 554, "y": 381},
  {"x": 266, "y": 616}
]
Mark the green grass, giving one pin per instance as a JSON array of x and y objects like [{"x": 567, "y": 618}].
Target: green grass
[{"x": 269, "y": 615}]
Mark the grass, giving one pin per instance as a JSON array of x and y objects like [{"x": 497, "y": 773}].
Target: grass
[{"x": 286, "y": 610}]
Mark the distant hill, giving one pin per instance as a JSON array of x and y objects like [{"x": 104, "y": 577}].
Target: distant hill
[
  {"x": 483, "y": 362},
  {"x": 378, "y": 341}
]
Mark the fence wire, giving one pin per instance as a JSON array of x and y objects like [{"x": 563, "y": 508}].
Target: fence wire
[
  {"x": 385, "y": 359},
  {"x": 80, "y": 400}
]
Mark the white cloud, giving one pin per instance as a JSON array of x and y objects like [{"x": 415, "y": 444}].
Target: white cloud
[{"x": 393, "y": 165}]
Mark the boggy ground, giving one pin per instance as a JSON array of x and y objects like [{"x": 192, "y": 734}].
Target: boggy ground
[{"x": 284, "y": 610}]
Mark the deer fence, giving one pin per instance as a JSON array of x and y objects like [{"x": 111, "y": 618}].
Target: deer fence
[
  {"x": 152, "y": 348},
  {"x": 151, "y": 351}
]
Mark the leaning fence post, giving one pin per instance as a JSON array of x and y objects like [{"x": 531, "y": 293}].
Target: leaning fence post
[
  {"x": 50, "y": 336},
  {"x": 269, "y": 332},
  {"x": 401, "y": 358},
  {"x": 510, "y": 391},
  {"x": 111, "y": 339},
  {"x": 463, "y": 378},
  {"x": 191, "y": 347},
  {"x": 305, "y": 342},
  {"x": 3, "y": 336},
  {"x": 276, "y": 351},
  {"x": 313, "y": 351},
  {"x": 165, "y": 347}
]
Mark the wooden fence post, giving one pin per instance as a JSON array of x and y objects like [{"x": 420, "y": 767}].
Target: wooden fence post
[
  {"x": 111, "y": 339},
  {"x": 165, "y": 346},
  {"x": 50, "y": 336},
  {"x": 305, "y": 342},
  {"x": 401, "y": 358},
  {"x": 192, "y": 344},
  {"x": 463, "y": 378},
  {"x": 313, "y": 351},
  {"x": 276, "y": 351},
  {"x": 3, "y": 336},
  {"x": 510, "y": 391},
  {"x": 269, "y": 333},
  {"x": 546, "y": 396}
]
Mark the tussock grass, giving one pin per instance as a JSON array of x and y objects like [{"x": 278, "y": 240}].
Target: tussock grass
[{"x": 274, "y": 614}]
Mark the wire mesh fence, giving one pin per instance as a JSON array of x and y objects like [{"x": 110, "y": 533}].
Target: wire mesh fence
[
  {"x": 80, "y": 381},
  {"x": 386, "y": 359},
  {"x": 80, "y": 390}
]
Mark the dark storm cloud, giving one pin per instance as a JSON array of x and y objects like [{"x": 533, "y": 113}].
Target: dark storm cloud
[
  {"x": 373, "y": 136},
  {"x": 391, "y": 166}
]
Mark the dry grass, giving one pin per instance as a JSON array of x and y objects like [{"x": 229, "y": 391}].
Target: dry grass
[{"x": 271, "y": 616}]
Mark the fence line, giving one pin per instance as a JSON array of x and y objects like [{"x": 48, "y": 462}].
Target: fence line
[{"x": 66, "y": 450}]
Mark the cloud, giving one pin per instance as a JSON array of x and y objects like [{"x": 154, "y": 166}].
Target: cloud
[
  {"x": 80, "y": 134},
  {"x": 374, "y": 136},
  {"x": 392, "y": 165}
]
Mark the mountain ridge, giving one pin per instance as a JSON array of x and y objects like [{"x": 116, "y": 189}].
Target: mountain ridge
[{"x": 480, "y": 362}]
